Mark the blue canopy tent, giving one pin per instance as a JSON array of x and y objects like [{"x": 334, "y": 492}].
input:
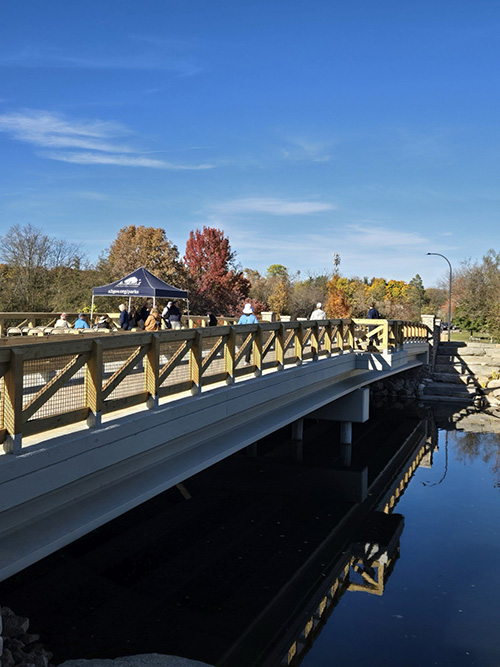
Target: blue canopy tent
[{"x": 140, "y": 283}]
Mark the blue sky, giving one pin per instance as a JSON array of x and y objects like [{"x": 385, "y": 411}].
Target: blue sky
[{"x": 365, "y": 128}]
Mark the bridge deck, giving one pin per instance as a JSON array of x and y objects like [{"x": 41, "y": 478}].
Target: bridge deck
[{"x": 62, "y": 484}]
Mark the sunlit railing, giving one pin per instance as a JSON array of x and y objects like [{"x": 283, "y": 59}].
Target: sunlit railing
[{"x": 50, "y": 383}]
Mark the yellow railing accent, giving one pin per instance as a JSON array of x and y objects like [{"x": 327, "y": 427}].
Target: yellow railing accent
[{"x": 46, "y": 383}]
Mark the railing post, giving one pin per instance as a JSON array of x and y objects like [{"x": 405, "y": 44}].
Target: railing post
[
  {"x": 280, "y": 347},
  {"x": 328, "y": 339},
  {"x": 93, "y": 385},
  {"x": 385, "y": 335},
  {"x": 299, "y": 344},
  {"x": 340, "y": 336},
  {"x": 13, "y": 402},
  {"x": 229, "y": 354},
  {"x": 315, "y": 341},
  {"x": 195, "y": 359},
  {"x": 257, "y": 351},
  {"x": 350, "y": 336},
  {"x": 152, "y": 371}
]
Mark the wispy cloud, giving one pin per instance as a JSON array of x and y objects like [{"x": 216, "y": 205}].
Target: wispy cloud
[
  {"x": 382, "y": 237},
  {"x": 120, "y": 160},
  {"x": 272, "y": 206},
  {"x": 138, "y": 53},
  {"x": 96, "y": 138},
  {"x": 305, "y": 150}
]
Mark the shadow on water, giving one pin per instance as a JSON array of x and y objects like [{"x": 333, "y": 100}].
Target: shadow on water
[{"x": 247, "y": 570}]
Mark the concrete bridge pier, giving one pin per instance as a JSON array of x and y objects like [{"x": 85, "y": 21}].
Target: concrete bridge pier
[
  {"x": 353, "y": 407},
  {"x": 346, "y": 443}
]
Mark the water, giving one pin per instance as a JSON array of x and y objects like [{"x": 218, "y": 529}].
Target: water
[
  {"x": 232, "y": 576},
  {"x": 440, "y": 606}
]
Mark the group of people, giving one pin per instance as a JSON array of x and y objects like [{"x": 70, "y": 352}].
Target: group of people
[
  {"x": 148, "y": 317},
  {"x": 101, "y": 322}
]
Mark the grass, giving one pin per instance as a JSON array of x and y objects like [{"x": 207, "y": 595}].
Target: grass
[{"x": 465, "y": 336}]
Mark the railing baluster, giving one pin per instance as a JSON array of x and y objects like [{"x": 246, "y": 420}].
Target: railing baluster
[
  {"x": 315, "y": 341},
  {"x": 13, "y": 406},
  {"x": 257, "y": 352},
  {"x": 152, "y": 371},
  {"x": 299, "y": 344},
  {"x": 195, "y": 361},
  {"x": 280, "y": 347},
  {"x": 93, "y": 385},
  {"x": 229, "y": 356}
]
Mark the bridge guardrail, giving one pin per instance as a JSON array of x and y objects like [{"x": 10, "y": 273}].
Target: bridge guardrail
[{"x": 46, "y": 384}]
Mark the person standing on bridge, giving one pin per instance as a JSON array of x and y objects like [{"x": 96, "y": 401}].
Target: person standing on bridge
[
  {"x": 248, "y": 317},
  {"x": 319, "y": 313},
  {"x": 373, "y": 314},
  {"x": 153, "y": 322},
  {"x": 174, "y": 315}
]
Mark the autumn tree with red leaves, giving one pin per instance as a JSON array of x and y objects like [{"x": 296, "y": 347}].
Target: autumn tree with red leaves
[{"x": 215, "y": 283}]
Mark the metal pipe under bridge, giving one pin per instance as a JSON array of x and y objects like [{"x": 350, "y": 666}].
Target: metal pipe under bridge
[{"x": 92, "y": 426}]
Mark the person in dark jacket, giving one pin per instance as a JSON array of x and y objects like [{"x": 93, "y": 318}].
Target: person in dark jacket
[
  {"x": 373, "y": 314},
  {"x": 174, "y": 316},
  {"x": 212, "y": 320},
  {"x": 124, "y": 317}
]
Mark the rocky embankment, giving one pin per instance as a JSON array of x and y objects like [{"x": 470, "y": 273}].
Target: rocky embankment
[
  {"x": 462, "y": 372},
  {"x": 18, "y": 647},
  {"x": 467, "y": 372}
]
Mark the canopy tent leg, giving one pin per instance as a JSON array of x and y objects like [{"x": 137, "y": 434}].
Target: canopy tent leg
[{"x": 91, "y": 312}]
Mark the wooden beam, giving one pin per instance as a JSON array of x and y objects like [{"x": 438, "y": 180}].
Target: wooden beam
[
  {"x": 13, "y": 402},
  {"x": 195, "y": 361},
  {"x": 152, "y": 371},
  {"x": 229, "y": 356},
  {"x": 93, "y": 385}
]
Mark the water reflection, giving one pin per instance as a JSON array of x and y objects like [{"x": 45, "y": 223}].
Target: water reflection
[{"x": 257, "y": 567}]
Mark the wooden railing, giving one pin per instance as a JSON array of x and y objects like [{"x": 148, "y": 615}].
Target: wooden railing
[{"x": 46, "y": 384}]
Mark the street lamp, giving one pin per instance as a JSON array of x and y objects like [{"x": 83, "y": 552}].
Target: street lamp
[{"x": 449, "y": 292}]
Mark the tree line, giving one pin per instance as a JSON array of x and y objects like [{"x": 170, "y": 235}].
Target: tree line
[{"x": 42, "y": 273}]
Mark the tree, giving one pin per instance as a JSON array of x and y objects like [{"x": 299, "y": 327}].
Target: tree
[
  {"x": 215, "y": 282},
  {"x": 37, "y": 269},
  {"x": 305, "y": 294},
  {"x": 148, "y": 247},
  {"x": 339, "y": 303},
  {"x": 476, "y": 294},
  {"x": 279, "y": 285}
]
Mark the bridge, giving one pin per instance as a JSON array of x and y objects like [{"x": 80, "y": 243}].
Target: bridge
[{"x": 94, "y": 425}]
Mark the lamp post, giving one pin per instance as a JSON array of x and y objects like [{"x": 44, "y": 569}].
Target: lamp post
[{"x": 449, "y": 292}]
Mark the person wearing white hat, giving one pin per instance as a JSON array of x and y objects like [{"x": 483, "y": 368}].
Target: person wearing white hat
[
  {"x": 248, "y": 317},
  {"x": 319, "y": 313},
  {"x": 62, "y": 322}
]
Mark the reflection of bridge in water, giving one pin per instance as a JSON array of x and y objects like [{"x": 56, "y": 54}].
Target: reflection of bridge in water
[
  {"x": 248, "y": 571},
  {"x": 95, "y": 425}
]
